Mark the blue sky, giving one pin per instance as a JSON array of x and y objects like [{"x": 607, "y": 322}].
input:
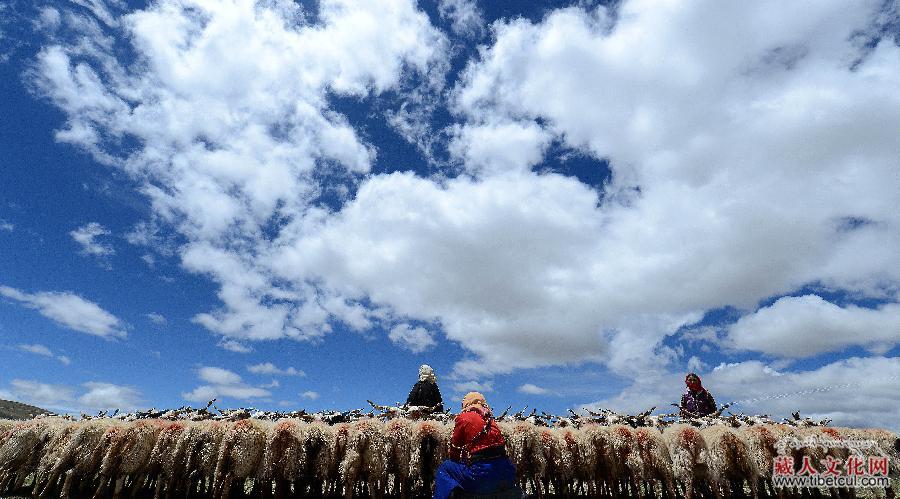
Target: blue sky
[{"x": 288, "y": 205}]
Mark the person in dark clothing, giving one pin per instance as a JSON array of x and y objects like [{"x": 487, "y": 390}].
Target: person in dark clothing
[
  {"x": 477, "y": 463},
  {"x": 696, "y": 400},
  {"x": 426, "y": 392}
]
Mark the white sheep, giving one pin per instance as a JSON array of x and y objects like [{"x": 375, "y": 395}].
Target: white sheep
[
  {"x": 364, "y": 458},
  {"x": 429, "y": 447},
  {"x": 689, "y": 455},
  {"x": 654, "y": 454},
  {"x": 729, "y": 460},
  {"x": 240, "y": 454}
]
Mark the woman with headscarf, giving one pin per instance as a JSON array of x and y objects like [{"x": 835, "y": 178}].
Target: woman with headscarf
[
  {"x": 478, "y": 462},
  {"x": 425, "y": 392},
  {"x": 696, "y": 400}
]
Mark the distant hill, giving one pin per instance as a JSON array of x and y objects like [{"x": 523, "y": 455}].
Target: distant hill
[{"x": 18, "y": 410}]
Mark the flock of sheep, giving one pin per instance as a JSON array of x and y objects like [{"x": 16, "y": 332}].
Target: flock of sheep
[{"x": 394, "y": 451}]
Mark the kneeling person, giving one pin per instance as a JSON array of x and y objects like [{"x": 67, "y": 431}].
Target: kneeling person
[{"x": 478, "y": 462}]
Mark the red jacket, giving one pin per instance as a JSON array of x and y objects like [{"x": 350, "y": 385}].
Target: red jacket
[{"x": 467, "y": 434}]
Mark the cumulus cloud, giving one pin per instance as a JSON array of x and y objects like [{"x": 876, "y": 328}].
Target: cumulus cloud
[
  {"x": 311, "y": 395},
  {"x": 805, "y": 326},
  {"x": 222, "y": 383},
  {"x": 464, "y": 16},
  {"x": 87, "y": 236},
  {"x": 6, "y": 226},
  {"x": 270, "y": 368},
  {"x": 750, "y": 147},
  {"x": 531, "y": 389},
  {"x": 71, "y": 311},
  {"x": 108, "y": 396},
  {"x": 414, "y": 339},
  {"x": 497, "y": 147},
  {"x": 232, "y": 140}
]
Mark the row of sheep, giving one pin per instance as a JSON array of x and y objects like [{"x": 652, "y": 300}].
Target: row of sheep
[{"x": 106, "y": 457}]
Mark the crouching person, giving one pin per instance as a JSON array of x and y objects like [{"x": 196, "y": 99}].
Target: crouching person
[{"x": 478, "y": 464}]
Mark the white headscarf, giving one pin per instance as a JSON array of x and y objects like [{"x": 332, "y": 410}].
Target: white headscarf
[{"x": 426, "y": 373}]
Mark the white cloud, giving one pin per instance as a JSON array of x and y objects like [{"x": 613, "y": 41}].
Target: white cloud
[
  {"x": 223, "y": 383},
  {"x": 6, "y": 226},
  {"x": 219, "y": 376},
  {"x": 859, "y": 392},
  {"x": 269, "y": 368},
  {"x": 36, "y": 349},
  {"x": 311, "y": 395},
  {"x": 87, "y": 236},
  {"x": 750, "y": 146},
  {"x": 465, "y": 17},
  {"x": 473, "y": 386},
  {"x": 234, "y": 346},
  {"x": 42, "y": 395},
  {"x": 101, "y": 9},
  {"x": 157, "y": 319},
  {"x": 531, "y": 389},
  {"x": 414, "y": 339},
  {"x": 805, "y": 326},
  {"x": 497, "y": 147},
  {"x": 694, "y": 364},
  {"x": 71, "y": 311},
  {"x": 44, "y": 351},
  {"x": 108, "y": 396},
  {"x": 229, "y": 111}
]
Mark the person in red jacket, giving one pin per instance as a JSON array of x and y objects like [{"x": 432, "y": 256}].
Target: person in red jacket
[{"x": 478, "y": 462}]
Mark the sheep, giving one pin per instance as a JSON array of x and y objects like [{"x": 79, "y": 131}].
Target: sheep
[
  {"x": 398, "y": 442},
  {"x": 82, "y": 454},
  {"x": 595, "y": 447},
  {"x": 318, "y": 457},
  {"x": 558, "y": 469},
  {"x": 107, "y": 456},
  {"x": 523, "y": 448},
  {"x": 283, "y": 455},
  {"x": 128, "y": 454},
  {"x": 21, "y": 451},
  {"x": 574, "y": 461},
  {"x": 199, "y": 445},
  {"x": 761, "y": 445},
  {"x": 60, "y": 432},
  {"x": 625, "y": 452},
  {"x": 655, "y": 459},
  {"x": 364, "y": 458},
  {"x": 430, "y": 443},
  {"x": 689, "y": 455},
  {"x": 164, "y": 462},
  {"x": 240, "y": 454},
  {"x": 729, "y": 461}
]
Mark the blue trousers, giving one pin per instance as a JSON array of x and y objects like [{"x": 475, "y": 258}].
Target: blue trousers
[{"x": 480, "y": 477}]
